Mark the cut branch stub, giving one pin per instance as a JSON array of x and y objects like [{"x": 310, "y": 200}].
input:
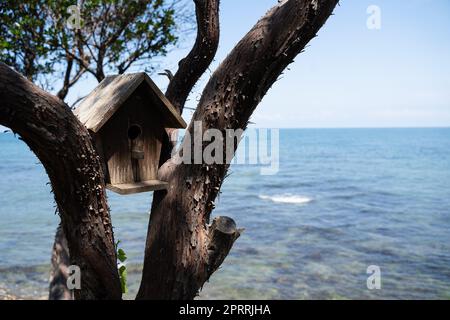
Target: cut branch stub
[{"x": 222, "y": 234}]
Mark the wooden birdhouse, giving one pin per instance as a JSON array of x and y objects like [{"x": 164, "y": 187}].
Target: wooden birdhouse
[{"x": 127, "y": 115}]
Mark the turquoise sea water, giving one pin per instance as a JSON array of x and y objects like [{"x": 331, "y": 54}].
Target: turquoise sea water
[{"x": 342, "y": 200}]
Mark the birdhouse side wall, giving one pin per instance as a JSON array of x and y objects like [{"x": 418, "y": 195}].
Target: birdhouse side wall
[
  {"x": 131, "y": 142},
  {"x": 114, "y": 142}
]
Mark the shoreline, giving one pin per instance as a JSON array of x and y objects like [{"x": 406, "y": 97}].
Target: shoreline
[{"x": 6, "y": 295}]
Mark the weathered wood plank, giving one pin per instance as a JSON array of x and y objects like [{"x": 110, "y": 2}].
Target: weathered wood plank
[
  {"x": 116, "y": 148},
  {"x": 137, "y": 187},
  {"x": 96, "y": 109},
  {"x": 99, "y": 106},
  {"x": 172, "y": 117}
]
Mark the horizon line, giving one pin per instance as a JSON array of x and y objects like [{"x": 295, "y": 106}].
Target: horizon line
[
  {"x": 356, "y": 127},
  {"x": 252, "y": 126}
]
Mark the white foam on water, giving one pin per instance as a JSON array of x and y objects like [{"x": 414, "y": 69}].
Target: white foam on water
[{"x": 287, "y": 198}]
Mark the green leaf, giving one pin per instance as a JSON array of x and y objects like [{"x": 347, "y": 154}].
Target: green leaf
[
  {"x": 121, "y": 255},
  {"x": 123, "y": 278}
]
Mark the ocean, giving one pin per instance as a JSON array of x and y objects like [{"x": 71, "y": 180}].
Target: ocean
[{"x": 343, "y": 200}]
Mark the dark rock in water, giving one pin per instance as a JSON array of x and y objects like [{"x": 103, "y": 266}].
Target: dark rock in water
[
  {"x": 249, "y": 251},
  {"x": 282, "y": 280},
  {"x": 314, "y": 256}
]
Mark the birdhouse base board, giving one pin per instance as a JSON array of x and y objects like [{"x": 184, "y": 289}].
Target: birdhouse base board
[{"x": 137, "y": 187}]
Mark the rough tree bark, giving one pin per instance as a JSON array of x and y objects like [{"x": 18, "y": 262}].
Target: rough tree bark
[
  {"x": 180, "y": 244},
  {"x": 64, "y": 147},
  {"x": 183, "y": 248},
  {"x": 60, "y": 263},
  {"x": 192, "y": 67}
]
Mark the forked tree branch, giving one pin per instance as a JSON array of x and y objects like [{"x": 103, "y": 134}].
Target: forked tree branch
[
  {"x": 179, "y": 240},
  {"x": 65, "y": 87},
  {"x": 64, "y": 147},
  {"x": 69, "y": 81},
  {"x": 192, "y": 67}
]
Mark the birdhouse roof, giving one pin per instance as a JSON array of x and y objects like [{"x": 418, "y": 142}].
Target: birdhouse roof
[{"x": 98, "y": 107}]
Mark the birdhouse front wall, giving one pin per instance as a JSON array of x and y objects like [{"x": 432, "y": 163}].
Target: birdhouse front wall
[{"x": 131, "y": 142}]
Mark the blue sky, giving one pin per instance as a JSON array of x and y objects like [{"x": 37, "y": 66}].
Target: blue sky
[{"x": 349, "y": 76}]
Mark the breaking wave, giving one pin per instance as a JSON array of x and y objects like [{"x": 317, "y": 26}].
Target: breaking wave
[{"x": 287, "y": 198}]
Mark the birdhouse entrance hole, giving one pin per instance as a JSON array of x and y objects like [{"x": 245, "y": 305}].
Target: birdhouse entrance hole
[{"x": 134, "y": 131}]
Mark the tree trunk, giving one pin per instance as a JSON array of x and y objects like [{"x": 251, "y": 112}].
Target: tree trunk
[
  {"x": 179, "y": 248},
  {"x": 59, "y": 268},
  {"x": 64, "y": 147}
]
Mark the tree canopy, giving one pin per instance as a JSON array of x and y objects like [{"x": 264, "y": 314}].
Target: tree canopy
[{"x": 40, "y": 38}]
